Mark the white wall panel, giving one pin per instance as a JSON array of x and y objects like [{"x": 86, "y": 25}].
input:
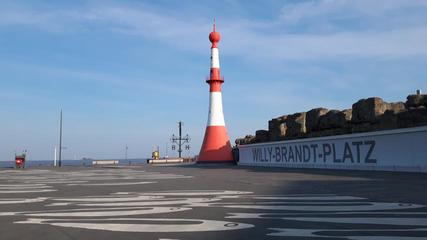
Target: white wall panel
[{"x": 391, "y": 150}]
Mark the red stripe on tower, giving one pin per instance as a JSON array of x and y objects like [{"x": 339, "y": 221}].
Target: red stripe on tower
[{"x": 216, "y": 145}]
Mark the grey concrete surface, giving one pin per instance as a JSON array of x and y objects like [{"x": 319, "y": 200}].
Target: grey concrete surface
[{"x": 210, "y": 202}]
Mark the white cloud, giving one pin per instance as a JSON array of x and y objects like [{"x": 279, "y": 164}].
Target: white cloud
[
  {"x": 386, "y": 45},
  {"x": 319, "y": 10},
  {"x": 248, "y": 38},
  {"x": 80, "y": 77}
]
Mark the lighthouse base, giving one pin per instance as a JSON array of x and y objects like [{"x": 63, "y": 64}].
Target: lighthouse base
[{"x": 216, "y": 147}]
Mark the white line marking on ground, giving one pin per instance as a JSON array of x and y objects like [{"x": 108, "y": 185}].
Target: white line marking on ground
[
  {"x": 164, "y": 225},
  {"x": 110, "y": 184},
  {"x": 30, "y": 191},
  {"x": 365, "y": 220},
  {"x": 320, "y": 208}
]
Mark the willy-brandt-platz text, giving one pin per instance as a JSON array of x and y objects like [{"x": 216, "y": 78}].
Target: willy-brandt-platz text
[{"x": 343, "y": 152}]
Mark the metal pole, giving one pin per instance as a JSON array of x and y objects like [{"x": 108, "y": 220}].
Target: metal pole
[
  {"x": 54, "y": 158},
  {"x": 126, "y": 153},
  {"x": 179, "y": 140},
  {"x": 60, "y": 140}
]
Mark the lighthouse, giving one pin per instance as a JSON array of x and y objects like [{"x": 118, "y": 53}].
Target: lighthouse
[{"x": 216, "y": 145}]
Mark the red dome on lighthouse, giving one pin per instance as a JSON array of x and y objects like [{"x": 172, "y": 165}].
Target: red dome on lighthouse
[{"x": 214, "y": 36}]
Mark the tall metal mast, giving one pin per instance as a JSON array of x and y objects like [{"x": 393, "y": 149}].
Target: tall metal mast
[
  {"x": 60, "y": 140},
  {"x": 181, "y": 140}
]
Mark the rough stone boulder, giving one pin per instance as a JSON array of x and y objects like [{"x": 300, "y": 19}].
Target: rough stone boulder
[
  {"x": 312, "y": 118},
  {"x": 389, "y": 119},
  {"x": 239, "y": 141},
  {"x": 396, "y": 107},
  {"x": 417, "y": 100},
  {"x": 335, "y": 119},
  {"x": 366, "y": 115},
  {"x": 328, "y": 132},
  {"x": 277, "y": 128},
  {"x": 248, "y": 139},
  {"x": 296, "y": 125},
  {"x": 262, "y": 136},
  {"x": 363, "y": 127},
  {"x": 348, "y": 113},
  {"x": 412, "y": 118},
  {"x": 368, "y": 110}
]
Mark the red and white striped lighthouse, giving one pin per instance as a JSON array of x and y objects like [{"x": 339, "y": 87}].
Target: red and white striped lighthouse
[{"x": 216, "y": 145}]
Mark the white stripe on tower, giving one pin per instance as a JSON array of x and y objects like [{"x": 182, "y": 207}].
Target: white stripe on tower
[
  {"x": 216, "y": 115},
  {"x": 214, "y": 58}
]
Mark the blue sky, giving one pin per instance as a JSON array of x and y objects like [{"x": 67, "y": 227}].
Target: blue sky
[{"x": 125, "y": 72}]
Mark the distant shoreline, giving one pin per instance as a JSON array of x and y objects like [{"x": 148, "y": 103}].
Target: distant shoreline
[{"x": 86, "y": 162}]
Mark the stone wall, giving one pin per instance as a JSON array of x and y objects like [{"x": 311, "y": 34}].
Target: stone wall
[{"x": 370, "y": 114}]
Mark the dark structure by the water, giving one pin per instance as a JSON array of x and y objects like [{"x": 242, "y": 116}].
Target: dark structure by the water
[{"x": 366, "y": 115}]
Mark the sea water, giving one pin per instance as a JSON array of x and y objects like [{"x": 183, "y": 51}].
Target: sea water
[{"x": 49, "y": 163}]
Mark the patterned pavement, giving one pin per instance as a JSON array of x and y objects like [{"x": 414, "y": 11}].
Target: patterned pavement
[{"x": 228, "y": 202}]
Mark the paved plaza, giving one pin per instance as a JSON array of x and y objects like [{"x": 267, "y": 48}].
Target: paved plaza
[{"x": 210, "y": 202}]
